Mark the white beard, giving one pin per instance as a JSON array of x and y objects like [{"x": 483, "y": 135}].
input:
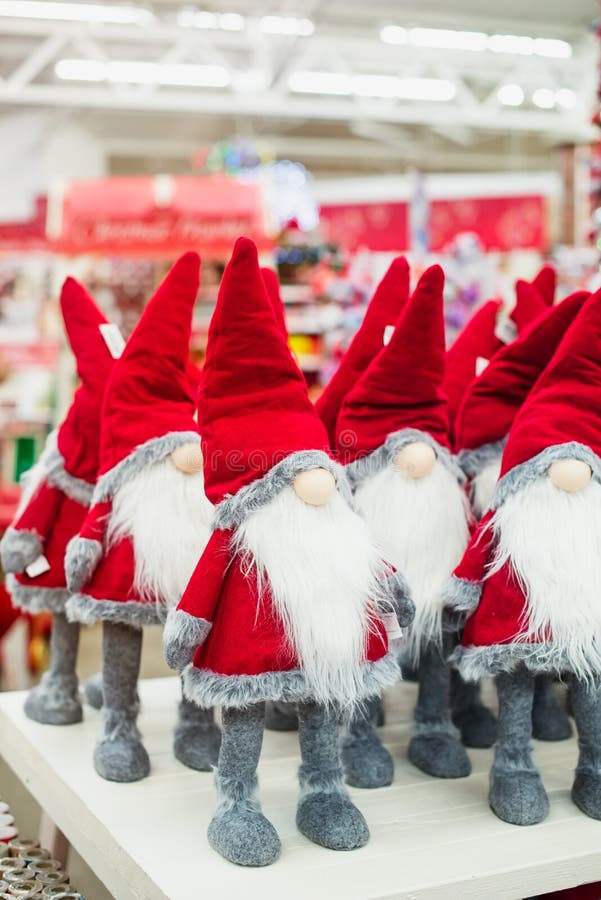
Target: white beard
[
  {"x": 168, "y": 517},
  {"x": 552, "y": 540},
  {"x": 324, "y": 573},
  {"x": 422, "y": 527},
  {"x": 483, "y": 486}
]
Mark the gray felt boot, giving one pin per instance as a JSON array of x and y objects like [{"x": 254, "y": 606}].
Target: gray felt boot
[
  {"x": 196, "y": 739},
  {"x": 280, "y": 716},
  {"x": 586, "y": 790},
  {"x": 92, "y": 691},
  {"x": 239, "y": 831},
  {"x": 55, "y": 701},
  {"x": 475, "y": 721},
  {"x": 325, "y": 813},
  {"x": 367, "y": 762},
  {"x": 435, "y": 747},
  {"x": 550, "y": 721},
  {"x": 517, "y": 794},
  {"x": 119, "y": 754}
]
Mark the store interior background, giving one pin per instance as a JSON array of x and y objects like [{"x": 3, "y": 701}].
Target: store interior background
[{"x": 336, "y": 133}]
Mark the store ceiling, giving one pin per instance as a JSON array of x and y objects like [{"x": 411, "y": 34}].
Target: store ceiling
[{"x": 340, "y": 99}]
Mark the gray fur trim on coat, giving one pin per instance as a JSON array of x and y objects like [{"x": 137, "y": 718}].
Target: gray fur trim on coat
[
  {"x": 76, "y": 488},
  {"x": 36, "y": 599},
  {"x": 473, "y": 461},
  {"x": 182, "y": 634},
  {"x": 87, "y": 611},
  {"x": 475, "y": 663},
  {"x": 460, "y": 598},
  {"x": 365, "y": 466},
  {"x": 81, "y": 559},
  {"x": 18, "y": 549}
]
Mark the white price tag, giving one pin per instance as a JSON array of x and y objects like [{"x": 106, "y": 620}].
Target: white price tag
[
  {"x": 391, "y": 624},
  {"x": 481, "y": 365},
  {"x": 387, "y": 336},
  {"x": 113, "y": 339},
  {"x": 38, "y": 567}
]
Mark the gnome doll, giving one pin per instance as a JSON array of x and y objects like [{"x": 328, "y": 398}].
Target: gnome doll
[
  {"x": 393, "y": 435},
  {"x": 530, "y": 580},
  {"x": 285, "y": 602},
  {"x": 54, "y": 504},
  {"x": 148, "y": 523}
]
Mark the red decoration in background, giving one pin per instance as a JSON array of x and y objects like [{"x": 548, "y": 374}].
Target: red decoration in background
[{"x": 29, "y": 235}]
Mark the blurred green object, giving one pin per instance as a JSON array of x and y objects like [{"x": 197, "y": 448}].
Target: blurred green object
[{"x": 25, "y": 453}]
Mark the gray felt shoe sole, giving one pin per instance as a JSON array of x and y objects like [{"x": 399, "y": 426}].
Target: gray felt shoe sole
[
  {"x": 586, "y": 794},
  {"x": 441, "y": 755},
  {"x": 45, "y": 707},
  {"x": 245, "y": 837},
  {"x": 281, "y": 717},
  {"x": 477, "y": 725},
  {"x": 197, "y": 746},
  {"x": 121, "y": 760},
  {"x": 518, "y": 797},
  {"x": 367, "y": 763},
  {"x": 331, "y": 820}
]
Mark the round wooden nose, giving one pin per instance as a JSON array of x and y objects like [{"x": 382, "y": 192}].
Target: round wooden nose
[
  {"x": 187, "y": 458},
  {"x": 315, "y": 486},
  {"x": 570, "y": 475},
  {"x": 415, "y": 460}
]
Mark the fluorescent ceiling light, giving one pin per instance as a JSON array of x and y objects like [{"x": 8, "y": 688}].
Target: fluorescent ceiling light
[
  {"x": 320, "y": 83},
  {"x": 375, "y": 85},
  {"x": 436, "y": 89},
  {"x": 448, "y": 39},
  {"x": 552, "y": 47},
  {"x": 379, "y": 86},
  {"x": 544, "y": 98},
  {"x": 510, "y": 95},
  {"x": 137, "y": 72},
  {"x": 199, "y": 18},
  {"x": 77, "y": 12},
  {"x": 286, "y": 25},
  {"x": 566, "y": 98},
  {"x": 475, "y": 41},
  {"x": 393, "y": 34}
]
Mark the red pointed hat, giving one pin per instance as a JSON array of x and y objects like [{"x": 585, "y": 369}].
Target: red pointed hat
[
  {"x": 149, "y": 403},
  {"x": 79, "y": 435},
  {"x": 560, "y": 418},
  {"x": 529, "y": 305},
  {"x": 546, "y": 284},
  {"x": 272, "y": 286},
  {"x": 401, "y": 390},
  {"x": 495, "y": 397},
  {"x": 387, "y": 302},
  {"x": 255, "y": 416}
]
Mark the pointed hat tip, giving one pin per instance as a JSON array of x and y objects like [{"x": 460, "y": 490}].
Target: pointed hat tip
[
  {"x": 245, "y": 248},
  {"x": 433, "y": 277},
  {"x": 189, "y": 260}
]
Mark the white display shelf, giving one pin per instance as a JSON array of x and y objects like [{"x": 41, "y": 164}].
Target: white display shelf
[{"x": 431, "y": 840}]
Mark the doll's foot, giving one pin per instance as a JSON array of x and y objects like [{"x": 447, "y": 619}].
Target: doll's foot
[
  {"x": 330, "y": 820},
  {"x": 550, "y": 721},
  {"x": 518, "y": 797},
  {"x": 367, "y": 763},
  {"x": 92, "y": 691},
  {"x": 55, "y": 701},
  {"x": 245, "y": 837},
  {"x": 280, "y": 716},
  {"x": 197, "y": 739},
  {"x": 120, "y": 754},
  {"x": 586, "y": 793},
  {"x": 477, "y": 725},
  {"x": 437, "y": 751}
]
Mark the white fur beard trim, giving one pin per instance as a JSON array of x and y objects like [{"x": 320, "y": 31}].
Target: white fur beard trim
[
  {"x": 552, "y": 540},
  {"x": 168, "y": 517},
  {"x": 422, "y": 527},
  {"x": 324, "y": 575},
  {"x": 483, "y": 486}
]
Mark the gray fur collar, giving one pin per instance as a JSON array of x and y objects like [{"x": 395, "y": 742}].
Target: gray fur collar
[
  {"x": 232, "y": 511},
  {"x": 368, "y": 465},
  {"x": 36, "y": 599},
  {"x": 143, "y": 455},
  {"x": 475, "y": 663},
  {"x": 473, "y": 461},
  {"x": 87, "y": 610},
  {"x": 206, "y": 688},
  {"x": 521, "y": 475},
  {"x": 57, "y": 476}
]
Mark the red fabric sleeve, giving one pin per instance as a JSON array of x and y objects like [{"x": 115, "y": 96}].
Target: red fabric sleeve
[
  {"x": 204, "y": 588},
  {"x": 94, "y": 525},
  {"x": 478, "y": 551},
  {"x": 41, "y": 512}
]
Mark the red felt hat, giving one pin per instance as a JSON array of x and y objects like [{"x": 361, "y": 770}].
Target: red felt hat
[
  {"x": 401, "y": 388},
  {"x": 529, "y": 305},
  {"x": 563, "y": 406},
  {"x": 79, "y": 435},
  {"x": 387, "y": 302},
  {"x": 495, "y": 397},
  {"x": 272, "y": 286},
  {"x": 546, "y": 284},
  {"x": 149, "y": 404},
  {"x": 254, "y": 410}
]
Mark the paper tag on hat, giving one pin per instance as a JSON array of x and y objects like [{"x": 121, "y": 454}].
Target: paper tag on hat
[
  {"x": 505, "y": 329},
  {"x": 113, "y": 339},
  {"x": 388, "y": 332},
  {"x": 38, "y": 567},
  {"x": 481, "y": 364},
  {"x": 391, "y": 624}
]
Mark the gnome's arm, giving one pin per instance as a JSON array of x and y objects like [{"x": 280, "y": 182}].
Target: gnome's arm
[
  {"x": 188, "y": 626},
  {"x": 399, "y": 595},
  {"x": 24, "y": 541},
  {"x": 461, "y": 594},
  {"x": 85, "y": 549}
]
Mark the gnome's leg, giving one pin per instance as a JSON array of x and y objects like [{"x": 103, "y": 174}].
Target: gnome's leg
[
  {"x": 325, "y": 813},
  {"x": 93, "y": 692},
  {"x": 474, "y": 720},
  {"x": 120, "y": 754},
  {"x": 516, "y": 792},
  {"x": 55, "y": 701},
  {"x": 367, "y": 763},
  {"x": 550, "y": 721},
  {"x": 280, "y": 716},
  {"x": 239, "y": 831},
  {"x": 435, "y": 747},
  {"x": 586, "y": 704},
  {"x": 196, "y": 738}
]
